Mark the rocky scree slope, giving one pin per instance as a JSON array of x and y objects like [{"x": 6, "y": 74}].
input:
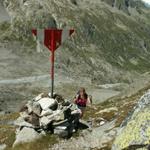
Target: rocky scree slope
[{"x": 111, "y": 43}]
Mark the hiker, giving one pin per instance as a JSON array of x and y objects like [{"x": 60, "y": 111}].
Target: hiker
[{"x": 81, "y": 100}]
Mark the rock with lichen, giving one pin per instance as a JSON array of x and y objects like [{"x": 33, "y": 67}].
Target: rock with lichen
[{"x": 135, "y": 130}]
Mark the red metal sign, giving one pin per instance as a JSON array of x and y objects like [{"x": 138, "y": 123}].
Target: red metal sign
[{"x": 53, "y": 38}]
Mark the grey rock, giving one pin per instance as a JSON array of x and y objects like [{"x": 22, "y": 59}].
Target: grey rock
[
  {"x": 55, "y": 116},
  {"x": 26, "y": 135},
  {"x": 46, "y": 112},
  {"x": 48, "y": 103},
  {"x": 33, "y": 119},
  {"x": 21, "y": 122},
  {"x": 134, "y": 131},
  {"x": 61, "y": 131},
  {"x": 3, "y": 146},
  {"x": 29, "y": 106},
  {"x": 142, "y": 103},
  {"x": 37, "y": 98},
  {"x": 94, "y": 139},
  {"x": 36, "y": 108},
  {"x": 44, "y": 121}
]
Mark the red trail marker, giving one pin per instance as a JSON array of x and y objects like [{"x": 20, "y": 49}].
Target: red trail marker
[{"x": 52, "y": 39}]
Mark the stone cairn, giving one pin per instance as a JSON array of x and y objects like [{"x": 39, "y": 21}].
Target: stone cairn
[{"x": 44, "y": 115}]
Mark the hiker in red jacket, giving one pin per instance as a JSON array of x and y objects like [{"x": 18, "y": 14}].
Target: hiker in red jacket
[{"x": 81, "y": 101}]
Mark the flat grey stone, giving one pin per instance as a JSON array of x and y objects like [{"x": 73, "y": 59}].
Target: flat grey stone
[{"x": 26, "y": 135}]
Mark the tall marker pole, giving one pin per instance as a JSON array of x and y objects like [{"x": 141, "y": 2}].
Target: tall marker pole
[
  {"x": 52, "y": 62},
  {"x": 52, "y": 73}
]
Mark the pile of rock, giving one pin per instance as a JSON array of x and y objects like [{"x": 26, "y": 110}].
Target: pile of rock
[{"x": 44, "y": 115}]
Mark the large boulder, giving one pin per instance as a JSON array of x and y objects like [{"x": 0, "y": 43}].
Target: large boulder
[
  {"x": 26, "y": 135},
  {"x": 135, "y": 130}
]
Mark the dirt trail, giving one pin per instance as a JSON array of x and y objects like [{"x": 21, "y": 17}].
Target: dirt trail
[
  {"x": 23, "y": 80},
  {"x": 15, "y": 91},
  {"x": 99, "y": 94}
]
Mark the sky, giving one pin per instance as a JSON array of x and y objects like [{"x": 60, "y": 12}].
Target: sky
[{"x": 147, "y": 1}]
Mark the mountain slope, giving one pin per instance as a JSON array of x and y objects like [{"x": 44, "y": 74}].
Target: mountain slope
[{"x": 111, "y": 43}]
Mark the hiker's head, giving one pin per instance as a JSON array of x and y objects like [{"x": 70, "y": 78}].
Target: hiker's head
[{"x": 82, "y": 92}]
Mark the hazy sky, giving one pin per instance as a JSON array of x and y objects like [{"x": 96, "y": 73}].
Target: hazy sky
[{"x": 147, "y": 1}]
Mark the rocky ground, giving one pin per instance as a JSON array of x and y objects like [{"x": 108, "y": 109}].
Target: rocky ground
[
  {"x": 113, "y": 111},
  {"x": 109, "y": 56}
]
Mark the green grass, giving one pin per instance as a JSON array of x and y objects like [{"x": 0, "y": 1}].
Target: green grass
[
  {"x": 4, "y": 26},
  {"x": 7, "y": 135},
  {"x": 8, "y": 117},
  {"x": 7, "y": 132},
  {"x": 41, "y": 144}
]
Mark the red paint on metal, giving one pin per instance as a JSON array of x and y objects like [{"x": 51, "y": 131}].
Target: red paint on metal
[
  {"x": 34, "y": 32},
  {"x": 48, "y": 38},
  {"x": 52, "y": 37},
  {"x": 71, "y": 32}
]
